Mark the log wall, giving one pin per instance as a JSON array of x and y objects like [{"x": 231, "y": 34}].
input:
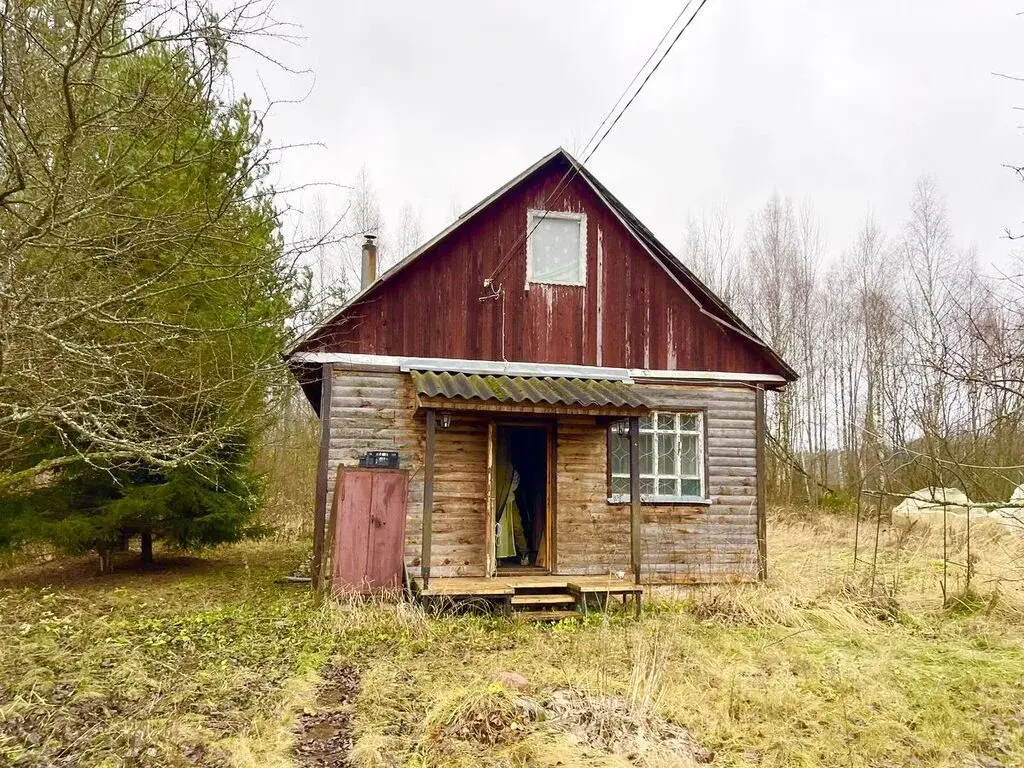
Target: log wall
[
  {"x": 375, "y": 411},
  {"x": 680, "y": 543}
]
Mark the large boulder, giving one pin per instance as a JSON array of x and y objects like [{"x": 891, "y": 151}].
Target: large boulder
[
  {"x": 1011, "y": 517},
  {"x": 930, "y": 503}
]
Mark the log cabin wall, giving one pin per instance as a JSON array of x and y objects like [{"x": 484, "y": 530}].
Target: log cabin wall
[
  {"x": 680, "y": 543},
  {"x": 376, "y": 411}
]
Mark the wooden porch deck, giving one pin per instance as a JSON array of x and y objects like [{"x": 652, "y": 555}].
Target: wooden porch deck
[
  {"x": 532, "y": 591},
  {"x": 499, "y": 586}
]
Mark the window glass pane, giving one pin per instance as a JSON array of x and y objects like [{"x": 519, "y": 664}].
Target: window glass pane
[
  {"x": 671, "y": 464},
  {"x": 555, "y": 250},
  {"x": 620, "y": 454},
  {"x": 646, "y": 454},
  {"x": 688, "y": 451},
  {"x": 667, "y": 454}
]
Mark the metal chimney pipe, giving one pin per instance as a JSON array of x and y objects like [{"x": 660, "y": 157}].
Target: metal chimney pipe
[{"x": 369, "y": 273}]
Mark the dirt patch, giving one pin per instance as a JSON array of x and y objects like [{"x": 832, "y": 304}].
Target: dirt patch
[{"x": 324, "y": 739}]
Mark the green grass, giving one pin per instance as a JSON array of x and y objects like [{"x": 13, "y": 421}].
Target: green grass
[
  {"x": 173, "y": 667},
  {"x": 208, "y": 661}
]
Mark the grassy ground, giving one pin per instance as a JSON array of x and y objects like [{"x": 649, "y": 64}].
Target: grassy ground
[{"x": 209, "y": 662}]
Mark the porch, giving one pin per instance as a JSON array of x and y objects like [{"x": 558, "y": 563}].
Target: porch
[
  {"x": 505, "y": 409},
  {"x": 538, "y": 596}
]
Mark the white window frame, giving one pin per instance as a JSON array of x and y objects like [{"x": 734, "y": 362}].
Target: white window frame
[
  {"x": 533, "y": 213},
  {"x": 678, "y": 431}
]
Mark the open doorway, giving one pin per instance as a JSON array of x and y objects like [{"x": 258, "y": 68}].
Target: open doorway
[{"x": 521, "y": 503}]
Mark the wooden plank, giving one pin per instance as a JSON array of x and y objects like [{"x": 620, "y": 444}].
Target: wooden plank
[
  {"x": 604, "y": 587},
  {"x": 762, "y": 525},
  {"x": 535, "y": 582},
  {"x": 634, "y": 496},
  {"x": 387, "y": 528},
  {"x": 428, "y": 499},
  {"x": 353, "y": 500},
  {"x": 490, "y": 561},
  {"x": 490, "y": 589},
  {"x": 322, "y": 473},
  {"x": 552, "y": 498},
  {"x": 543, "y": 599}
]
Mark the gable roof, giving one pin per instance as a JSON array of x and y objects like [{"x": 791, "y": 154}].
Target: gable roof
[{"x": 706, "y": 301}]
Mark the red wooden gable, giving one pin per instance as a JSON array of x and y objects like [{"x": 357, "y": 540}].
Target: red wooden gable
[{"x": 640, "y": 308}]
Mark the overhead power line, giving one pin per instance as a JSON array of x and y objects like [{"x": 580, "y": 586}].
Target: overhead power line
[
  {"x": 571, "y": 173},
  {"x": 625, "y": 91}
]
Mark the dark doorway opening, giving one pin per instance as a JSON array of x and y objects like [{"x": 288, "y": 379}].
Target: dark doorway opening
[{"x": 521, "y": 480}]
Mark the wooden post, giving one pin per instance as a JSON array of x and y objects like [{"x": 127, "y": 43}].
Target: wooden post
[
  {"x": 428, "y": 498},
  {"x": 760, "y": 470},
  {"x": 552, "y": 492},
  {"x": 634, "y": 496},
  {"x": 490, "y": 562},
  {"x": 322, "y": 480}
]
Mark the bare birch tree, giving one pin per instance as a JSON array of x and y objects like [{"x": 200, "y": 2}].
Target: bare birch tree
[{"x": 710, "y": 250}]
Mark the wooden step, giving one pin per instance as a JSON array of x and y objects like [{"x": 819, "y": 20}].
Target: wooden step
[
  {"x": 600, "y": 585},
  {"x": 547, "y": 583},
  {"x": 549, "y": 615},
  {"x": 522, "y": 570},
  {"x": 543, "y": 599}
]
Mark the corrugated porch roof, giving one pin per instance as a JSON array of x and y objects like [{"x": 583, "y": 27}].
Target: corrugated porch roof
[{"x": 535, "y": 390}]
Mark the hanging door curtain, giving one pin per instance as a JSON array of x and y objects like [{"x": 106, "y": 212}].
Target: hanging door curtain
[{"x": 509, "y": 536}]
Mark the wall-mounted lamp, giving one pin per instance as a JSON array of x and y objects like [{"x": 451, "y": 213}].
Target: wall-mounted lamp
[
  {"x": 621, "y": 428},
  {"x": 444, "y": 419}
]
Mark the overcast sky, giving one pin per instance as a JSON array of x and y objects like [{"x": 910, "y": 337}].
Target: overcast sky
[{"x": 838, "y": 102}]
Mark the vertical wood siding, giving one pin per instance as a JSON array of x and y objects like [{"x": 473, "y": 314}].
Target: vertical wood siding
[{"x": 631, "y": 313}]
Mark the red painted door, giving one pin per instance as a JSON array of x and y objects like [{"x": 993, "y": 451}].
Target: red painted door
[{"x": 369, "y": 536}]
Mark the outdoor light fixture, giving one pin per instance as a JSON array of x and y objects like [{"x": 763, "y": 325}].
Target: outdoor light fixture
[
  {"x": 621, "y": 427},
  {"x": 444, "y": 419}
]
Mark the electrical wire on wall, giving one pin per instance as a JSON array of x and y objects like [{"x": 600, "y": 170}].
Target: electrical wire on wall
[{"x": 497, "y": 293}]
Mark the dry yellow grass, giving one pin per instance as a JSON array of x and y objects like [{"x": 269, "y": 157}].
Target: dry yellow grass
[
  {"x": 809, "y": 669},
  {"x": 212, "y": 660}
]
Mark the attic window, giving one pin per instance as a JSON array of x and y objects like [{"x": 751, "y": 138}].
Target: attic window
[{"x": 556, "y": 249}]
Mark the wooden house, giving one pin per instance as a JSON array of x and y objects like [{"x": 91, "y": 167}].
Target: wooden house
[{"x": 547, "y": 340}]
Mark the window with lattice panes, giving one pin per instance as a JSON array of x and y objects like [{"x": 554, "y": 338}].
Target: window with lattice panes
[
  {"x": 671, "y": 458},
  {"x": 556, "y": 248}
]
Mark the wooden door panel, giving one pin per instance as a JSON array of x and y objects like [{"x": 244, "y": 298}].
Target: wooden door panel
[
  {"x": 369, "y": 530},
  {"x": 351, "y": 541},
  {"x": 387, "y": 530}
]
